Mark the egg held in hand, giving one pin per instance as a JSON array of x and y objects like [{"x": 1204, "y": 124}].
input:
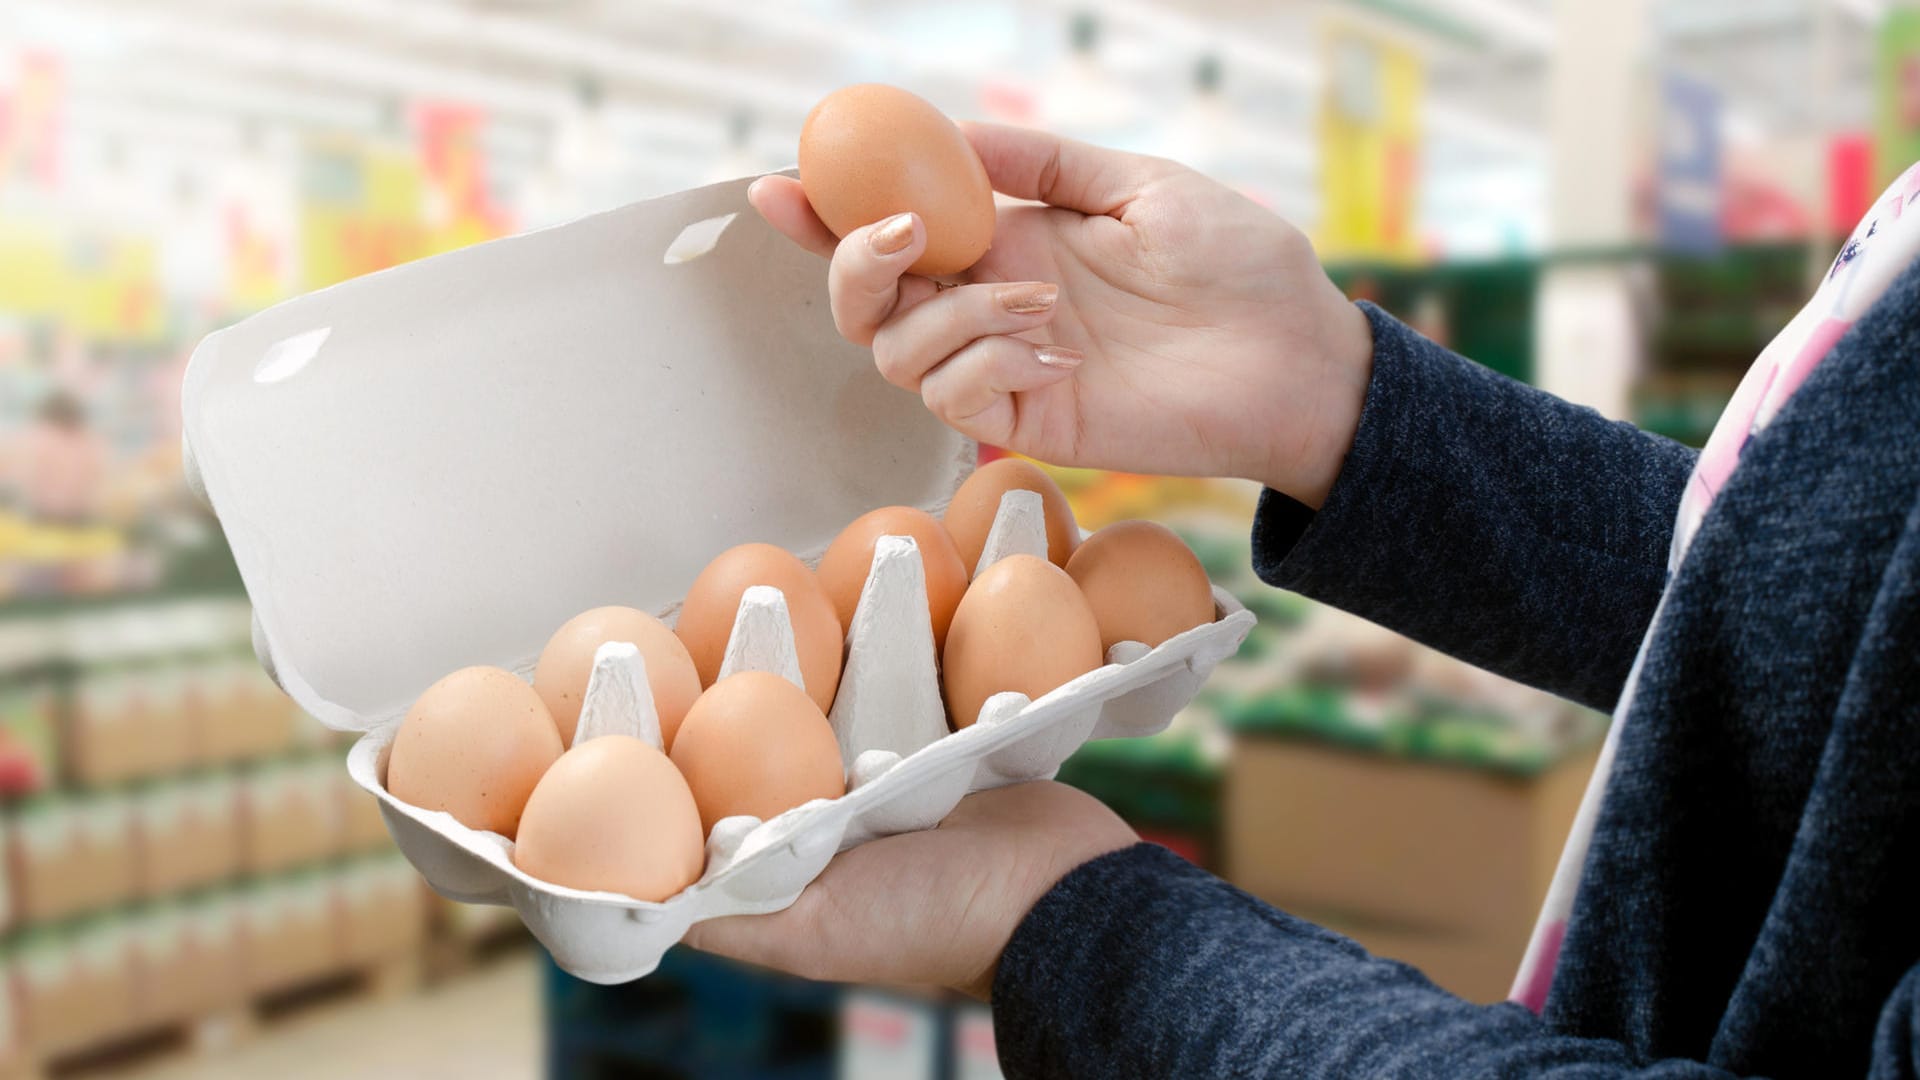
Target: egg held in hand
[
  {"x": 844, "y": 568},
  {"x": 613, "y": 815},
  {"x": 1143, "y": 583},
  {"x": 566, "y": 664},
  {"x": 1022, "y": 626},
  {"x": 969, "y": 517},
  {"x": 706, "y": 617},
  {"x": 474, "y": 745},
  {"x": 755, "y": 744},
  {"x": 869, "y": 152}
]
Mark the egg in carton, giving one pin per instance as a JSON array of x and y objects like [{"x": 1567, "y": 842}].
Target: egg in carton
[{"x": 411, "y": 482}]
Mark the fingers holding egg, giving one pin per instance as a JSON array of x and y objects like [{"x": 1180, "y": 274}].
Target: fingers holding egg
[
  {"x": 781, "y": 201},
  {"x": 922, "y": 337},
  {"x": 973, "y": 391},
  {"x": 868, "y": 283}
]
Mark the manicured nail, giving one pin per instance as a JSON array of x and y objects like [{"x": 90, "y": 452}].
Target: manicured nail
[
  {"x": 892, "y": 236},
  {"x": 1056, "y": 356},
  {"x": 1029, "y": 299}
]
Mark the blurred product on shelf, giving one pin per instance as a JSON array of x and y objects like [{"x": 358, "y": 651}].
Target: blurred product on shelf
[
  {"x": 975, "y": 1054},
  {"x": 1436, "y": 864},
  {"x": 696, "y": 1015},
  {"x": 186, "y": 841},
  {"x": 116, "y": 974},
  {"x": 186, "y": 957},
  {"x": 75, "y": 984},
  {"x": 187, "y": 833},
  {"x": 890, "y": 1036},
  {"x": 290, "y": 813},
  {"x": 287, "y": 931}
]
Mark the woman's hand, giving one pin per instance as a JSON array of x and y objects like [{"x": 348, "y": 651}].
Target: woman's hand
[
  {"x": 929, "y": 908},
  {"x": 1145, "y": 318}
]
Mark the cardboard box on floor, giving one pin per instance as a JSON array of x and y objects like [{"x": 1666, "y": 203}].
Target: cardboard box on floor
[{"x": 1442, "y": 866}]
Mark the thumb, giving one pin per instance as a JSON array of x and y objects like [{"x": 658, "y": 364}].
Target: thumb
[{"x": 1043, "y": 167}]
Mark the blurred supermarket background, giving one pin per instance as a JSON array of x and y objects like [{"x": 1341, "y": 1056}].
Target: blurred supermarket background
[{"x": 1620, "y": 201}]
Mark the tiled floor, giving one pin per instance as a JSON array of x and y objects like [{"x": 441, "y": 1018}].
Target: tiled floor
[{"x": 482, "y": 1026}]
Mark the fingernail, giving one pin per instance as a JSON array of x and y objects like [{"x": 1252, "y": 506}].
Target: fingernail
[
  {"x": 1029, "y": 299},
  {"x": 1056, "y": 356},
  {"x": 892, "y": 236}
]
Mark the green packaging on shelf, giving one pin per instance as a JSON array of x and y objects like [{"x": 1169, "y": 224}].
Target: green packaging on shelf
[
  {"x": 12, "y": 1039},
  {"x": 177, "y": 974},
  {"x": 103, "y": 741},
  {"x": 103, "y": 835},
  {"x": 72, "y": 855},
  {"x": 292, "y": 813},
  {"x": 186, "y": 833},
  {"x": 76, "y": 984},
  {"x": 43, "y": 861},
  {"x": 29, "y": 706},
  {"x": 361, "y": 826},
  {"x": 289, "y": 934},
  {"x": 1410, "y": 725},
  {"x": 383, "y": 908}
]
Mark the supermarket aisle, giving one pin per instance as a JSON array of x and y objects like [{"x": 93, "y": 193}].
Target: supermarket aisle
[{"x": 481, "y": 1026}]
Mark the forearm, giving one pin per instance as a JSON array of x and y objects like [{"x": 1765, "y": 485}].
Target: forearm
[
  {"x": 1487, "y": 519},
  {"x": 1140, "y": 965}
]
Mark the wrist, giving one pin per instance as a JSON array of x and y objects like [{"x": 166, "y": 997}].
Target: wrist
[{"x": 1335, "y": 391}]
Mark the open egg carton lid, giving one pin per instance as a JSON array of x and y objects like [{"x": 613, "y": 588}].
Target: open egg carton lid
[{"x": 434, "y": 466}]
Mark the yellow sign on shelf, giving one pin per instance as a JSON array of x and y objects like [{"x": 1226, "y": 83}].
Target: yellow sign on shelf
[
  {"x": 1369, "y": 145},
  {"x": 361, "y": 211}
]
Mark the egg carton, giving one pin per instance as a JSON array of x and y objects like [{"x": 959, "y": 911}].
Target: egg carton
[
  {"x": 905, "y": 770},
  {"x": 435, "y": 465}
]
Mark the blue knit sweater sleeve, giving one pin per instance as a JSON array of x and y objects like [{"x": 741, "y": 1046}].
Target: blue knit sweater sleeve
[
  {"x": 1139, "y": 964},
  {"x": 1488, "y": 519}
]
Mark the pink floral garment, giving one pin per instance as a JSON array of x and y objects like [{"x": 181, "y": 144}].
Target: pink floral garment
[{"x": 1882, "y": 245}]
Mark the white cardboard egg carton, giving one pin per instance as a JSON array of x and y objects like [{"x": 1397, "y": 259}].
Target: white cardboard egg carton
[{"x": 436, "y": 465}]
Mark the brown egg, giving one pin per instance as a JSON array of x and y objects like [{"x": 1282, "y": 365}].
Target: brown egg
[
  {"x": 754, "y": 744},
  {"x": 1024, "y": 626},
  {"x": 1142, "y": 582},
  {"x": 567, "y": 663},
  {"x": 843, "y": 569},
  {"x": 706, "y": 618},
  {"x": 970, "y": 515},
  {"x": 613, "y": 815},
  {"x": 869, "y": 152},
  {"x": 474, "y": 745}
]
